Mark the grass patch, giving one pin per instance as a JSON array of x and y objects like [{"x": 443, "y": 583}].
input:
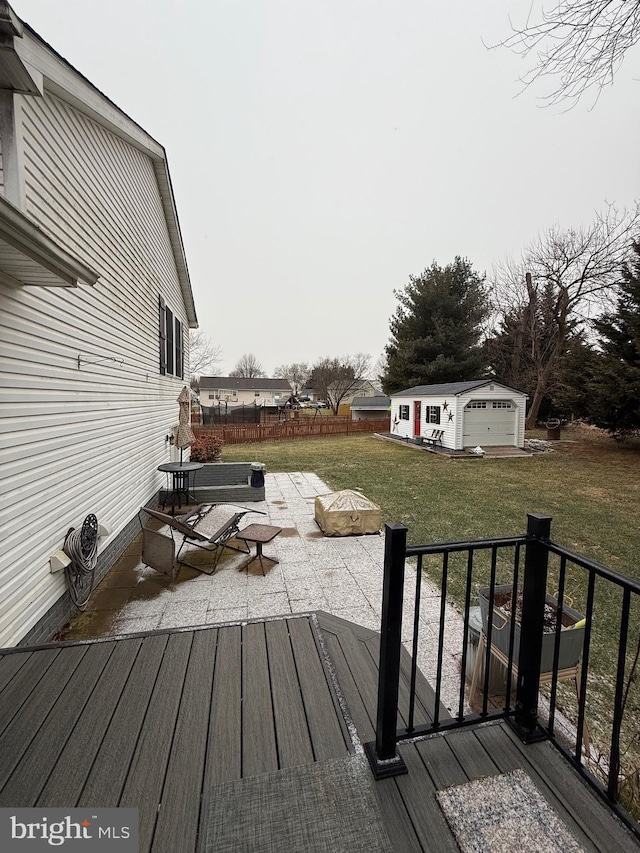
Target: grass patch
[{"x": 588, "y": 484}]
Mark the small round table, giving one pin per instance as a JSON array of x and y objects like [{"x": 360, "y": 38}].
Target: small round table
[
  {"x": 180, "y": 472},
  {"x": 258, "y": 533}
]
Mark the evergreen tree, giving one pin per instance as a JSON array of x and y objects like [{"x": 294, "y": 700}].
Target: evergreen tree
[
  {"x": 615, "y": 399},
  {"x": 436, "y": 328}
]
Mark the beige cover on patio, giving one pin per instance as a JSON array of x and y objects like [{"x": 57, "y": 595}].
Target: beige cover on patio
[{"x": 346, "y": 513}]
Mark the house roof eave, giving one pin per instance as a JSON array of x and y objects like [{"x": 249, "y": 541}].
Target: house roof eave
[{"x": 29, "y": 257}]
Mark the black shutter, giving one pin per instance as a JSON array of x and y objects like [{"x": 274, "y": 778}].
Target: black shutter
[
  {"x": 162, "y": 333},
  {"x": 169, "y": 328},
  {"x": 179, "y": 350}
]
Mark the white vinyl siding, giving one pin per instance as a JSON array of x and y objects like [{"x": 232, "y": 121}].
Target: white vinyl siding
[{"x": 75, "y": 440}]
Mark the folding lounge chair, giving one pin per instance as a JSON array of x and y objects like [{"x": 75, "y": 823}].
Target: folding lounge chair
[{"x": 208, "y": 526}]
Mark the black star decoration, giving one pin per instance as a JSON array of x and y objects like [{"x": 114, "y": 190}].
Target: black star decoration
[
  {"x": 450, "y": 416},
  {"x": 445, "y": 406}
]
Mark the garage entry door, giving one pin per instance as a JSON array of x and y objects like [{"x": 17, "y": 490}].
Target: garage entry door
[{"x": 489, "y": 423}]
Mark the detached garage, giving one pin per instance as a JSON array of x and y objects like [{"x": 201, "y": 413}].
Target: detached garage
[{"x": 480, "y": 412}]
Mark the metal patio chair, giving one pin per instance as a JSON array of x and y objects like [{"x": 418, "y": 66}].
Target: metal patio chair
[{"x": 209, "y": 527}]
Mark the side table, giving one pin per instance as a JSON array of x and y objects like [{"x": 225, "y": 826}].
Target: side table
[{"x": 260, "y": 534}]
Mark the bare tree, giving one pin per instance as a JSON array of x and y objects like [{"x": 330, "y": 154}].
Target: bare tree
[
  {"x": 334, "y": 378},
  {"x": 297, "y": 375},
  {"x": 204, "y": 356},
  {"x": 248, "y": 367},
  {"x": 579, "y": 44},
  {"x": 380, "y": 368},
  {"x": 564, "y": 279}
]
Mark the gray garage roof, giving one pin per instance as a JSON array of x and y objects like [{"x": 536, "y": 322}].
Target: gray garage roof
[
  {"x": 370, "y": 402},
  {"x": 450, "y": 388}
]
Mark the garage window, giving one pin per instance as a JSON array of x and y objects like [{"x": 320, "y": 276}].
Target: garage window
[
  {"x": 500, "y": 404},
  {"x": 403, "y": 413},
  {"x": 477, "y": 404}
]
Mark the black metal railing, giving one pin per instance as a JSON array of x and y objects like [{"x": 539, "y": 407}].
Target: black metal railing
[{"x": 548, "y": 643}]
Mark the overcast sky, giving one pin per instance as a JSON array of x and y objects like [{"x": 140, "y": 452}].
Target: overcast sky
[{"x": 321, "y": 153}]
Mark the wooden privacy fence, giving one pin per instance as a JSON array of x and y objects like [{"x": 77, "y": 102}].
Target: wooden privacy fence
[{"x": 302, "y": 428}]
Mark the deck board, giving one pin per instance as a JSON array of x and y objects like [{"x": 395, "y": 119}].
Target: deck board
[
  {"x": 470, "y": 754},
  {"x": 145, "y": 779},
  {"x": 42, "y": 754},
  {"x": 33, "y": 711},
  {"x": 359, "y": 713},
  {"x": 360, "y": 648},
  {"x": 9, "y": 666},
  {"x": 177, "y": 824},
  {"x": 292, "y": 730},
  {"x": 108, "y": 771},
  {"x": 69, "y": 775},
  {"x": 20, "y": 678},
  {"x": 259, "y": 747},
  {"x": 156, "y": 721},
  {"x": 327, "y": 727},
  {"x": 224, "y": 760},
  {"x": 418, "y": 795}
]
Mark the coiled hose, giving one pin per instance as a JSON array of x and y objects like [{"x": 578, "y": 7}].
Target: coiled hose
[{"x": 81, "y": 546}]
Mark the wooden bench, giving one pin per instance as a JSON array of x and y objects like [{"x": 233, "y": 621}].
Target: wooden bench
[
  {"x": 224, "y": 482},
  {"x": 435, "y": 437}
]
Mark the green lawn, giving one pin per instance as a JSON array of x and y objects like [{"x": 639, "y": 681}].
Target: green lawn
[{"x": 589, "y": 485}]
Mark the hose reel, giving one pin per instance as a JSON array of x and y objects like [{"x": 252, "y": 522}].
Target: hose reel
[{"x": 81, "y": 546}]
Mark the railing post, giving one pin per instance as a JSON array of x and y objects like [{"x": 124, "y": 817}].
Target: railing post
[
  {"x": 531, "y": 628},
  {"x": 382, "y": 753}
]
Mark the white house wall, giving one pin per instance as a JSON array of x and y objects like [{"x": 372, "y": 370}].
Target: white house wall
[{"x": 76, "y": 440}]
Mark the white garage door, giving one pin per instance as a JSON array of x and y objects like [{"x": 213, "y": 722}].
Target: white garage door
[{"x": 489, "y": 423}]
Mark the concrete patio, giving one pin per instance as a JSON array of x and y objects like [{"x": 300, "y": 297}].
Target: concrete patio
[{"x": 338, "y": 575}]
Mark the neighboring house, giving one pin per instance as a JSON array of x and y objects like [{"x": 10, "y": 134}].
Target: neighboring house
[
  {"x": 360, "y": 388},
  {"x": 480, "y": 412},
  {"x": 95, "y": 307},
  {"x": 370, "y": 408},
  {"x": 236, "y": 390}
]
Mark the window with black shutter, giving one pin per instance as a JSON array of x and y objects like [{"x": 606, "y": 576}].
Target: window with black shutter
[
  {"x": 433, "y": 414},
  {"x": 171, "y": 338}
]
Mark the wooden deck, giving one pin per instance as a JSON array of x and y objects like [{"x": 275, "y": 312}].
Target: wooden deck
[{"x": 152, "y": 721}]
